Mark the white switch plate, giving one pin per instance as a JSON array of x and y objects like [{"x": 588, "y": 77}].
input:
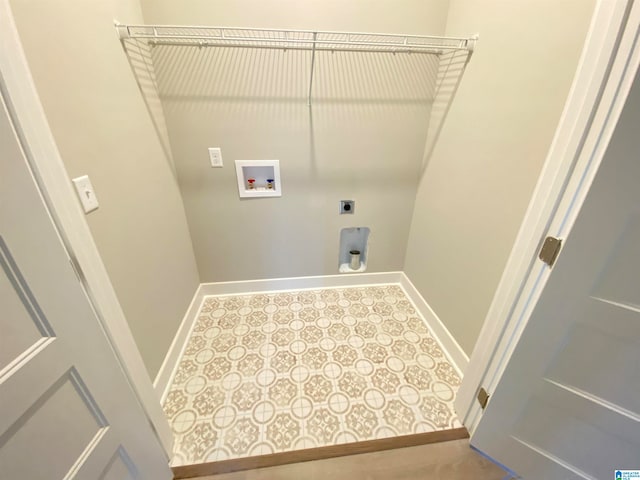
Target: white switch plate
[
  {"x": 215, "y": 155},
  {"x": 85, "y": 193}
]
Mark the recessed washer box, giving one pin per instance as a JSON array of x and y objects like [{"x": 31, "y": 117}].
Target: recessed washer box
[{"x": 258, "y": 178}]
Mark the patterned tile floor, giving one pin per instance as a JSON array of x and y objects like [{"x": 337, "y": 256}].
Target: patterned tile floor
[{"x": 273, "y": 372}]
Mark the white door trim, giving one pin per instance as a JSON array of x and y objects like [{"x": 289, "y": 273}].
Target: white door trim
[
  {"x": 602, "y": 82},
  {"x": 24, "y": 106}
]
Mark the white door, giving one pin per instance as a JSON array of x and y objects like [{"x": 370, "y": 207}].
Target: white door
[
  {"x": 66, "y": 408},
  {"x": 568, "y": 403}
]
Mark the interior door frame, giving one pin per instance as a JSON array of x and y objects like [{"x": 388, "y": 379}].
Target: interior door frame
[
  {"x": 562, "y": 186},
  {"x": 605, "y": 73},
  {"x": 27, "y": 114}
]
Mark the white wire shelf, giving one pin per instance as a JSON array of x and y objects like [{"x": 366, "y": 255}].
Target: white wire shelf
[
  {"x": 294, "y": 39},
  {"x": 231, "y": 37}
]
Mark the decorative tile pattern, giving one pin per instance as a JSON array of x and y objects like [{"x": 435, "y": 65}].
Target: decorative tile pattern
[{"x": 267, "y": 373}]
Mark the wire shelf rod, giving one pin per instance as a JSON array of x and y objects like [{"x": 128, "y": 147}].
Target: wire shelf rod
[
  {"x": 204, "y": 44},
  {"x": 313, "y": 61},
  {"x": 238, "y": 38},
  {"x": 284, "y": 30}
]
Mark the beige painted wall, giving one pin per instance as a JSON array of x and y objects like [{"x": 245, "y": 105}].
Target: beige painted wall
[
  {"x": 102, "y": 128},
  {"x": 484, "y": 167},
  {"x": 363, "y": 139},
  {"x": 388, "y": 16}
]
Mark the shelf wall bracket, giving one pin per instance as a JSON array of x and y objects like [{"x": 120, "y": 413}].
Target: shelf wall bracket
[{"x": 313, "y": 61}]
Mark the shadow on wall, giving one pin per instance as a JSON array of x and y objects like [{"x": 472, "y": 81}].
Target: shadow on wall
[
  {"x": 275, "y": 75},
  {"x": 394, "y": 93},
  {"x": 364, "y": 79},
  {"x": 363, "y": 137},
  {"x": 139, "y": 56},
  {"x": 450, "y": 72}
]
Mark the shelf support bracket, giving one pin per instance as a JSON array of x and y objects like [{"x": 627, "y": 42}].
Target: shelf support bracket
[{"x": 313, "y": 61}]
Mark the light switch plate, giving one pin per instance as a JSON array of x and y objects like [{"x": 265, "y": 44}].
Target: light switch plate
[
  {"x": 86, "y": 194},
  {"x": 215, "y": 155}
]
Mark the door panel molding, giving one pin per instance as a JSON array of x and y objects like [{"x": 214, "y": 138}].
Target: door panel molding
[
  {"x": 18, "y": 90},
  {"x": 23, "y": 291}
]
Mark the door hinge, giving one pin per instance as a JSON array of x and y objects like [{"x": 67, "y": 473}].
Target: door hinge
[
  {"x": 483, "y": 397},
  {"x": 550, "y": 249},
  {"x": 76, "y": 269}
]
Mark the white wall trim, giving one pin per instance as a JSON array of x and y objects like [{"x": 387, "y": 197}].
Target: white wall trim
[
  {"x": 597, "y": 86},
  {"x": 169, "y": 365},
  {"x": 300, "y": 283},
  {"x": 26, "y": 111},
  {"x": 437, "y": 328}
]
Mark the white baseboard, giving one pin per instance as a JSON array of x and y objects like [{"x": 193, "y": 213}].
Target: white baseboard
[
  {"x": 299, "y": 283},
  {"x": 167, "y": 369},
  {"x": 435, "y": 325},
  {"x": 438, "y": 330}
]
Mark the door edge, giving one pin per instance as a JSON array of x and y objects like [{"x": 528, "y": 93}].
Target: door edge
[{"x": 601, "y": 83}]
